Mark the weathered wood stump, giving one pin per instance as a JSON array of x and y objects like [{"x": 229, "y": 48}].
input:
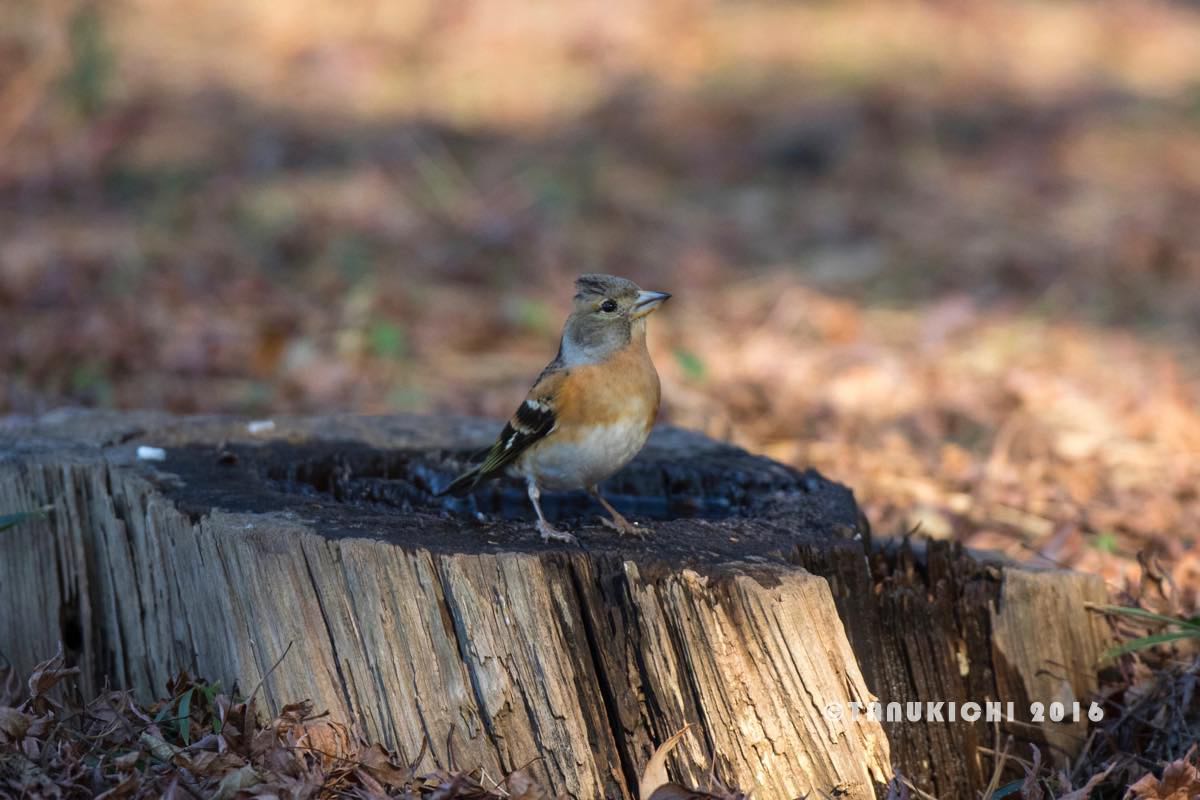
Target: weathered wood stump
[{"x": 757, "y": 601}]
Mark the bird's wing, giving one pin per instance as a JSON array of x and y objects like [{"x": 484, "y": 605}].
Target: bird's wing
[{"x": 534, "y": 420}]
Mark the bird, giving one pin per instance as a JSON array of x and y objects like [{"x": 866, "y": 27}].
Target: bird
[{"x": 590, "y": 410}]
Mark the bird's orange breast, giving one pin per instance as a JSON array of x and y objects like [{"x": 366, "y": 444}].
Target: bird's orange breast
[{"x": 622, "y": 389}]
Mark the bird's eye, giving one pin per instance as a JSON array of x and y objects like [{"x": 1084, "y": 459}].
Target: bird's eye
[{"x": 608, "y": 306}]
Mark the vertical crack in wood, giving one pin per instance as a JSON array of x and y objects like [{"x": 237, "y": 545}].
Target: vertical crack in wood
[
  {"x": 357, "y": 618},
  {"x": 192, "y": 650},
  {"x": 522, "y": 639},
  {"x": 460, "y": 639},
  {"x": 691, "y": 682},
  {"x": 606, "y": 686},
  {"x": 450, "y": 628},
  {"x": 118, "y": 506},
  {"x": 351, "y": 707},
  {"x": 657, "y": 711},
  {"x": 104, "y": 594}
]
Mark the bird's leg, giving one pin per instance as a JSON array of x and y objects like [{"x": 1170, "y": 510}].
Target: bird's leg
[
  {"x": 618, "y": 522},
  {"x": 548, "y": 531}
]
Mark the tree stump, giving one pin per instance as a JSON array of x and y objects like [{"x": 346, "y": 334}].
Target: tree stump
[{"x": 315, "y": 559}]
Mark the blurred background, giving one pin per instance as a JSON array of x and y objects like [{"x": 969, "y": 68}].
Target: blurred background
[{"x": 948, "y": 253}]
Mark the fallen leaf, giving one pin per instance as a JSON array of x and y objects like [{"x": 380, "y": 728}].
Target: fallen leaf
[
  {"x": 1180, "y": 781},
  {"x": 1085, "y": 792},
  {"x": 1030, "y": 788},
  {"x": 128, "y": 761},
  {"x": 49, "y": 674},
  {"x": 235, "y": 781},
  {"x": 655, "y": 774},
  {"x": 379, "y": 763},
  {"x": 13, "y": 724},
  {"x": 523, "y": 787},
  {"x": 126, "y": 788}
]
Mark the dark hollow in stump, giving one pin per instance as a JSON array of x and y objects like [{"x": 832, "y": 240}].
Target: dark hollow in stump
[{"x": 757, "y": 601}]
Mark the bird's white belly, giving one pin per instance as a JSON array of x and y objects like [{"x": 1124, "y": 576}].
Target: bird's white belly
[{"x": 589, "y": 459}]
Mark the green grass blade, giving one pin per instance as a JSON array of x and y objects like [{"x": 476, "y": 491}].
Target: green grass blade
[
  {"x": 210, "y": 692},
  {"x": 185, "y": 720},
  {"x": 1149, "y": 616},
  {"x": 1008, "y": 789},
  {"x": 1143, "y": 642}
]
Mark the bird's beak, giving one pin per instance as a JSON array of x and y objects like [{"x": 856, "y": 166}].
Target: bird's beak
[{"x": 647, "y": 302}]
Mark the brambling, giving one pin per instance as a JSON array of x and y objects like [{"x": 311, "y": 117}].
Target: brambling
[{"x": 591, "y": 409}]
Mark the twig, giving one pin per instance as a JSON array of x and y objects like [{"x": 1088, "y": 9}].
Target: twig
[
  {"x": 997, "y": 771},
  {"x": 269, "y": 672},
  {"x": 920, "y": 792},
  {"x": 1015, "y": 759}
]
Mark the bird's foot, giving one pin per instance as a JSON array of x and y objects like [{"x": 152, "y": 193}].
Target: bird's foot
[
  {"x": 552, "y": 534},
  {"x": 624, "y": 527}
]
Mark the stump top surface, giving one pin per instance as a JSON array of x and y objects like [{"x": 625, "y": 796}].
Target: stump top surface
[{"x": 375, "y": 477}]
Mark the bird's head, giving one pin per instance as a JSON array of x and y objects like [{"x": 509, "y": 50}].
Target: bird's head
[{"x": 609, "y": 312}]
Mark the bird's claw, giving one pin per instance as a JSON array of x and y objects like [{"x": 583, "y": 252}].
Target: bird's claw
[
  {"x": 625, "y": 527},
  {"x": 552, "y": 534}
]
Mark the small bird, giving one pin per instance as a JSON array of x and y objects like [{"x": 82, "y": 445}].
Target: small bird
[{"x": 591, "y": 409}]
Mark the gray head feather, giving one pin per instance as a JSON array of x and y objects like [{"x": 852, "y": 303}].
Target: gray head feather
[
  {"x": 602, "y": 322},
  {"x": 594, "y": 285}
]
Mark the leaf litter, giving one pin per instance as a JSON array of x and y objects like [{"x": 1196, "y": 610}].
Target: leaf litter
[{"x": 199, "y": 742}]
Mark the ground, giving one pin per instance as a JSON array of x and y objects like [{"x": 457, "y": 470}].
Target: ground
[{"x": 945, "y": 253}]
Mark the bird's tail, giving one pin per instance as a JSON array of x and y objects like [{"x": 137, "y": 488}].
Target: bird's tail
[{"x": 463, "y": 483}]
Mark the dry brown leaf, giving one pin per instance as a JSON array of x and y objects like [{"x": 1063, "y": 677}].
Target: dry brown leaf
[
  {"x": 294, "y": 715},
  {"x": 522, "y": 787},
  {"x": 208, "y": 764},
  {"x": 234, "y": 782},
  {"x": 163, "y": 751},
  {"x": 1085, "y": 791},
  {"x": 655, "y": 773},
  {"x": 126, "y": 788},
  {"x": 173, "y": 792},
  {"x": 49, "y": 674},
  {"x": 243, "y": 757},
  {"x": 280, "y": 761},
  {"x": 1180, "y": 781},
  {"x": 13, "y": 724},
  {"x": 127, "y": 761},
  {"x": 329, "y": 737},
  {"x": 382, "y": 766},
  {"x": 371, "y": 788},
  {"x": 451, "y": 788},
  {"x": 1031, "y": 789}
]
